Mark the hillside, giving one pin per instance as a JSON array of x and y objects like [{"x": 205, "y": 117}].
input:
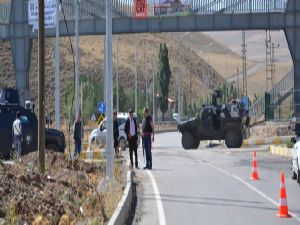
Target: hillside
[{"x": 192, "y": 67}]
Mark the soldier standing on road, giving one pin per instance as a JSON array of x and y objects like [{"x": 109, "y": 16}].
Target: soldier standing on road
[
  {"x": 131, "y": 132},
  {"x": 78, "y": 134},
  {"x": 17, "y": 134},
  {"x": 116, "y": 134},
  {"x": 147, "y": 131}
]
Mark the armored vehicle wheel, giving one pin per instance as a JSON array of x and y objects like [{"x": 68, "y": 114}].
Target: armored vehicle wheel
[
  {"x": 233, "y": 138},
  {"x": 197, "y": 143},
  {"x": 187, "y": 140}
]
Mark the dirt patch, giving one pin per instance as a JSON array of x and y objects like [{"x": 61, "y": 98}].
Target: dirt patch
[
  {"x": 66, "y": 192},
  {"x": 271, "y": 130}
]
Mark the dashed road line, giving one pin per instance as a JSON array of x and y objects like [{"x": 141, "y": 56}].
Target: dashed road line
[{"x": 248, "y": 185}]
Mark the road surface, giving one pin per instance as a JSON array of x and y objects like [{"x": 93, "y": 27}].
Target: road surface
[{"x": 211, "y": 186}]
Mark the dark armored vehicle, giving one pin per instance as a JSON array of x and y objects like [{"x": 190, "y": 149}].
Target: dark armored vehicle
[
  {"x": 9, "y": 105},
  {"x": 216, "y": 122}
]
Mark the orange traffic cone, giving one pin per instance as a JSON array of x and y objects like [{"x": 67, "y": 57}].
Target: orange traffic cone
[
  {"x": 283, "y": 211},
  {"x": 254, "y": 175}
]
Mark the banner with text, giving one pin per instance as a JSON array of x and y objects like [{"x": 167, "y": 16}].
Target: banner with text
[
  {"x": 50, "y": 14},
  {"x": 140, "y": 9}
]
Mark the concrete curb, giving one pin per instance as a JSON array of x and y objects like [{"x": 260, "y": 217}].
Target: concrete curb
[
  {"x": 266, "y": 141},
  {"x": 281, "y": 151},
  {"x": 123, "y": 208},
  {"x": 89, "y": 155}
]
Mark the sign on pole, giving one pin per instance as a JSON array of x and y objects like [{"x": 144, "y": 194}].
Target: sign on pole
[
  {"x": 50, "y": 14},
  {"x": 140, "y": 9},
  {"x": 101, "y": 107}
]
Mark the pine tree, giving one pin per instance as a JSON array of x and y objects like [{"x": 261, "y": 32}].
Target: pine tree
[{"x": 164, "y": 75}]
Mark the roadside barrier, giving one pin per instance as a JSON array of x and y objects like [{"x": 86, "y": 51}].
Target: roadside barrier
[
  {"x": 254, "y": 175},
  {"x": 280, "y": 150},
  {"x": 283, "y": 211},
  {"x": 266, "y": 141}
]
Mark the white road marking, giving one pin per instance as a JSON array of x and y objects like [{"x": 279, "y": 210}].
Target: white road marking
[
  {"x": 160, "y": 208},
  {"x": 249, "y": 186}
]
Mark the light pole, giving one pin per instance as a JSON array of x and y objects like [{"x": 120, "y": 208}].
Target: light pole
[
  {"x": 135, "y": 75},
  {"x": 117, "y": 71},
  {"x": 146, "y": 74},
  {"x": 153, "y": 106},
  {"x": 178, "y": 96},
  {"x": 57, "y": 69},
  {"x": 76, "y": 59},
  {"x": 109, "y": 94},
  {"x": 41, "y": 86}
]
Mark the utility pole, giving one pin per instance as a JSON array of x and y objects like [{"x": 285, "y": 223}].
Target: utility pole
[
  {"x": 57, "y": 70},
  {"x": 81, "y": 99},
  {"x": 117, "y": 71},
  {"x": 135, "y": 75},
  {"x": 269, "y": 66},
  {"x": 109, "y": 94},
  {"x": 244, "y": 61},
  {"x": 178, "y": 96},
  {"x": 237, "y": 82},
  {"x": 104, "y": 69},
  {"x": 270, "y": 61},
  {"x": 41, "y": 86},
  {"x": 76, "y": 59},
  {"x": 153, "y": 113},
  {"x": 146, "y": 74}
]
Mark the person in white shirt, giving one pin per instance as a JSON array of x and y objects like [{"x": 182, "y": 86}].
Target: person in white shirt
[
  {"x": 131, "y": 132},
  {"x": 17, "y": 134}
]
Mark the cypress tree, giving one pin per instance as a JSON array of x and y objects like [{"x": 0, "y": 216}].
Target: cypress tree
[{"x": 164, "y": 75}]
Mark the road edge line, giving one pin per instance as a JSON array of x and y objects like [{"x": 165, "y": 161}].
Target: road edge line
[{"x": 160, "y": 208}]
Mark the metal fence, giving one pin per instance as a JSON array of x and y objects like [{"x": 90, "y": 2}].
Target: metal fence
[
  {"x": 279, "y": 92},
  {"x": 4, "y": 13}
]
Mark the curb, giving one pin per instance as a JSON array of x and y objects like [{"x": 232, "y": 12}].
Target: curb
[
  {"x": 266, "y": 141},
  {"x": 281, "y": 151},
  {"x": 89, "y": 155},
  {"x": 124, "y": 206}
]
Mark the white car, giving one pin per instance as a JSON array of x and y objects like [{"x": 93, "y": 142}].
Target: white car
[
  {"x": 296, "y": 161},
  {"x": 296, "y": 155},
  {"x": 98, "y": 135}
]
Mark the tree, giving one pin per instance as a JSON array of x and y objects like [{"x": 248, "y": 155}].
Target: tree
[{"x": 164, "y": 75}]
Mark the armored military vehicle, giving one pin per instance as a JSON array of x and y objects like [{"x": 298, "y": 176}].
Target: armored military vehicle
[
  {"x": 9, "y": 105},
  {"x": 228, "y": 122}
]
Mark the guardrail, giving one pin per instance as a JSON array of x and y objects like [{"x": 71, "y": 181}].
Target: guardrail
[{"x": 121, "y": 8}]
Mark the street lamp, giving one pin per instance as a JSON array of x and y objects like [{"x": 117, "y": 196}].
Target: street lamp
[{"x": 77, "y": 2}]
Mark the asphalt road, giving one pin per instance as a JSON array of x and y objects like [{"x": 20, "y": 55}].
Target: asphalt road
[{"x": 211, "y": 186}]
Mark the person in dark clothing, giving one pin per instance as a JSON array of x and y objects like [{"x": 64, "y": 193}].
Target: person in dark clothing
[
  {"x": 131, "y": 132},
  {"x": 116, "y": 134},
  {"x": 78, "y": 135},
  {"x": 147, "y": 131}
]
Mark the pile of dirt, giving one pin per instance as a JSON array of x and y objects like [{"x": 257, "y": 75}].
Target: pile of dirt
[{"x": 66, "y": 192}]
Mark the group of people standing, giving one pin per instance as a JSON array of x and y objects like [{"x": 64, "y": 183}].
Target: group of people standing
[
  {"x": 131, "y": 131},
  {"x": 131, "y": 128}
]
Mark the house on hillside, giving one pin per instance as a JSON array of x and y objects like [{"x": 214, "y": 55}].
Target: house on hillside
[
  {"x": 165, "y": 7},
  {"x": 169, "y": 113}
]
